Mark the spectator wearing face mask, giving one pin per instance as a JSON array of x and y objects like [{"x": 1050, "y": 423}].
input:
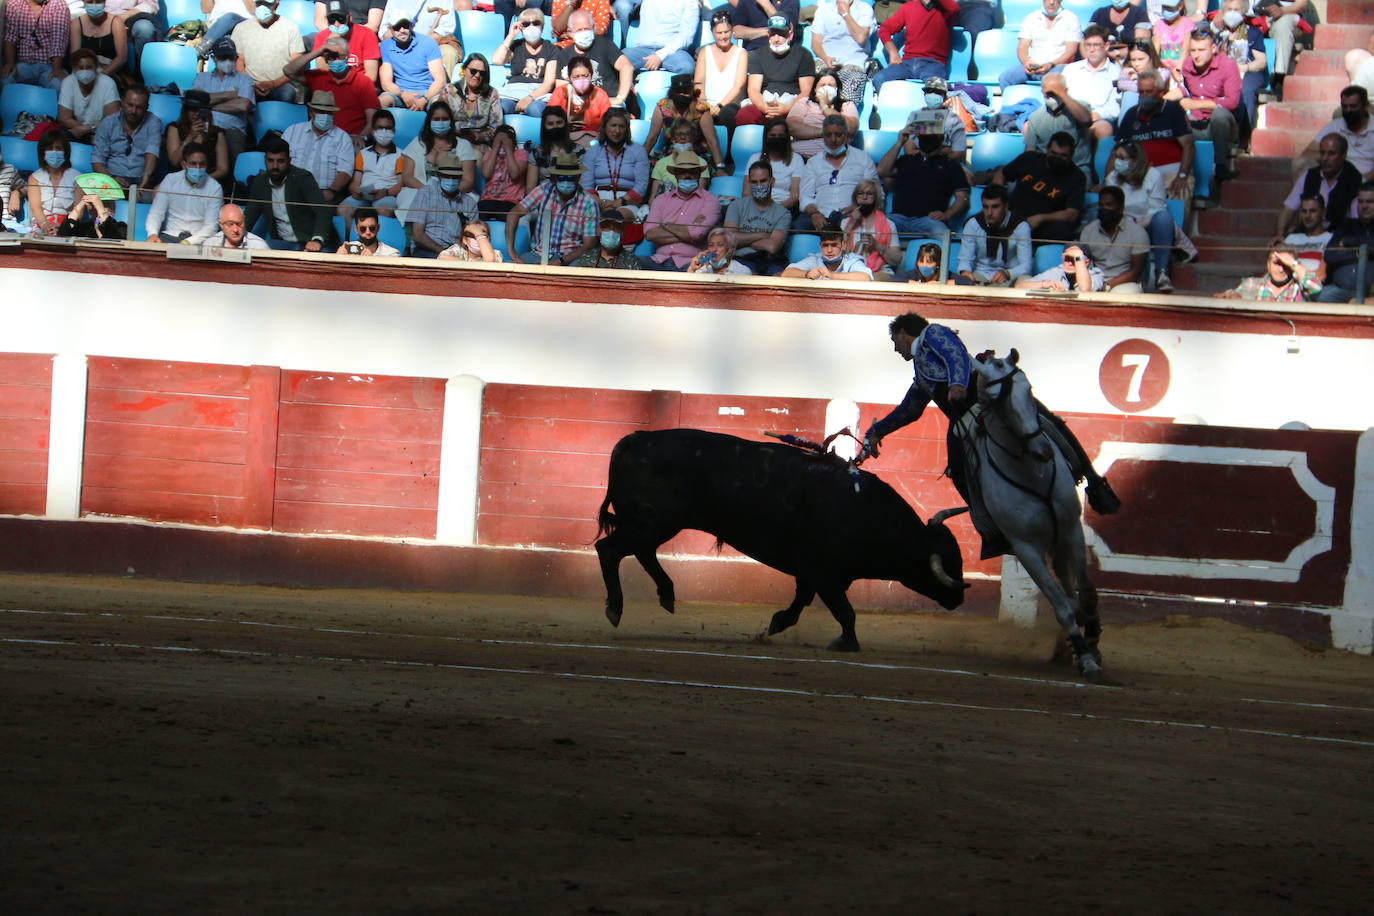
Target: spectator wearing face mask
[
  {"x": 232, "y": 233},
  {"x": 1074, "y": 273},
  {"x": 37, "y": 35},
  {"x": 231, "y": 95},
  {"x": 1119, "y": 19},
  {"x": 610, "y": 253},
  {"x": 412, "y": 71},
  {"x": 925, "y": 53},
  {"x": 585, "y": 103},
  {"x": 367, "y": 241},
  {"x": 1145, "y": 202},
  {"x": 996, "y": 249},
  {"x": 786, "y": 164},
  {"x": 51, "y": 188},
  {"x": 1118, "y": 246},
  {"x": 474, "y": 244},
  {"x": 1356, "y": 126},
  {"x": 441, "y": 209},
  {"x": 719, "y": 256},
  {"x": 611, "y": 69},
  {"x": 936, "y": 95},
  {"x": 759, "y": 222},
  {"x": 533, "y": 65},
  {"x": 563, "y": 217},
  {"x": 1161, "y": 128},
  {"x": 322, "y": 148},
  {"x": 354, "y": 95},
  {"x": 832, "y": 262},
  {"x": 809, "y": 113},
  {"x": 617, "y": 170},
  {"x": 1285, "y": 280},
  {"x": 97, "y": 30},
  {"x": 684, "y": 104},
  {"x": 927, "y": 268},
  {"x": 380, "y": 171},
  {"x": 779, "y": 74},
  {"x": 1048, "y": 41},
  {"x": 195, "y": 126},
  {"x": 435, "y": 140},
  {"x": 839, "y": 42},
  {"x": 930, "y": 192},
  {"x": 565, "y": 18},
  {"x": 503, "y": 170},
  {"x": 829, "y": 179},
  {"x": 1047, "y": 191},
  {"x": 679, "y": 219},
  {"x": 1170, "y": 35},
  {"x": 86, "y": 98},
  {"x": 868, "y": 232},
  {"x": 1062, "y": 114},
  {"x": 367, "y": 13},
  {"x": 266, "y": 45},
  {"x": 186, "y": 206}
]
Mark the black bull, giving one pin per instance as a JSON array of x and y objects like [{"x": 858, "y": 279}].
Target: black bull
[{"x": 793, "y": 510}]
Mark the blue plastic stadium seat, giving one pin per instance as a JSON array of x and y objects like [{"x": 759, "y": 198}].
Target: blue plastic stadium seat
[
  {"x": 995, "y": 51},
  {"x": 166, "y": 107},
  {"x": 302, "y": 13},
  {"x": 81, "y": 156},
  {"x": 165, "y": 64},
  {"x": 277, "y": 116},
  {"x": 876, "y": 143},
  {"x": 526, "y": 127},
  {"x": 1102, "y": 159},
  {"x": 20, "y": 153},
  {"x": 496, "y": 228},
  {"x": 639, "y": 129},
  {"x": 1020, "y": 92},
  {"x": 747, "y": 141},
  {"x": 17, "y": 97},
  {"x": 499, "y": 75},
  {"x": 960, "y": 53},
  {"x": 728, "y": 185},
  {"x": 248, "y": 165},
  {"x": 179, "y": 11},
  {"x": 988, "y": 151},
  {"x": 645, "y": 249},
  {"x": 138, "y": 224},
  {"x": 481, "y": 32},
  {"x": 1014, "y": 12},
  {"x": 799, "y": 245},
  {"x": 408, "y": 125},
  {"x": 1175, "y": 208},
  {"x": 651, "y": 86},
  {"x": 1204, "y": 167},
  {"x": 1047, "y": 256}
]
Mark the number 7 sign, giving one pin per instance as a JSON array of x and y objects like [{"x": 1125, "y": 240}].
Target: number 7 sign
[{"x": 1134, "y": 375}]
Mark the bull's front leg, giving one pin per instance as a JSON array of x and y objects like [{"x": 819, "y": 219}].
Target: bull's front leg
[
  {"x": 789, "y": 615},
  {"x": 835, "y": 598}
]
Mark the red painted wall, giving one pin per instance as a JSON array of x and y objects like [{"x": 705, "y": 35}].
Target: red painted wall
[{"x": 25, "y": 399}]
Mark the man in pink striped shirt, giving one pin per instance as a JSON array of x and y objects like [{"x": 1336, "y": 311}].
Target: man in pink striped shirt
[{"x": 35, "y": 43}]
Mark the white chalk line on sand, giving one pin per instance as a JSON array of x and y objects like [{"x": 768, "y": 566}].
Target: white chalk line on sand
[
  {"x": 699, "y": 653},
  {"x": 700, "y": 685}
]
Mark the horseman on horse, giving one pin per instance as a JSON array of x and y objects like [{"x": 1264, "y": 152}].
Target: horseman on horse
[{"x": 943, "y": 369}]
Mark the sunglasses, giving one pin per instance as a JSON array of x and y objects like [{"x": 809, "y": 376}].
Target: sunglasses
[
  {"x": 370, "y": 228},
  {"x": 479, "y": 70}
]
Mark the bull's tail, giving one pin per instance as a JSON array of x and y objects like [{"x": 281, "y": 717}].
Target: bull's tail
[{"x": 605, "y": 518}]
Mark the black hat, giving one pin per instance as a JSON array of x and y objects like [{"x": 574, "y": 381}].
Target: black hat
[{"x": 224, "y": 49}]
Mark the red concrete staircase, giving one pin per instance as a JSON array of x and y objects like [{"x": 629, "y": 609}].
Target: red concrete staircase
[{"x": 1249, "y": 206}]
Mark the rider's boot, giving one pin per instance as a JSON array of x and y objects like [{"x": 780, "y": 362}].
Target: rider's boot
[{"x": 1101, "y": 497}]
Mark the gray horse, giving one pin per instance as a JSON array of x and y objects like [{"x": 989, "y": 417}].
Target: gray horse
[{"x": 1028, "y": 490}]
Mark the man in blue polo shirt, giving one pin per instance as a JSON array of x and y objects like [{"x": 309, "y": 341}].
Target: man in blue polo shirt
[
  {"x": 412, "y": 72},
  {"x": 128, "y": 142}
]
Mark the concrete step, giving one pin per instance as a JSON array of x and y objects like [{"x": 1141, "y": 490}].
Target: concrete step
[
  {"x": 1308, "y": 116},
  {"x": 1321, "y": 63},
  {"x": 1201, "y": 279},
  {"x": 1222, "y": 249},
  {"x": 1342, "y": 37},
  {"x": 1265, "y": 168},
  {"x": 1225, "y": 225},
  {"x": 1245, "y": 195},
  {"x": 1349, "y": 12},
  {"x": 1286, "y": 144},
  {"x": 1314, "y": 88}
]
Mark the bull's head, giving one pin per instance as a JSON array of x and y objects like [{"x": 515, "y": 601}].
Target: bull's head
[{"x": 940, "y": 575}]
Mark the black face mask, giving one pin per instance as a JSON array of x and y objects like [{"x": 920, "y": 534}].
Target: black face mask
[
  {"x": 1060, "y": 166},
  {"x": 775, "y": 144},
  {"x": 1150, "y": 104},
  {"x": 867, "y": 209},
  {"x": 1109, "y": 219},
  {"x": 1354, "y": 119},
  {"x": 930, "y": 145}
]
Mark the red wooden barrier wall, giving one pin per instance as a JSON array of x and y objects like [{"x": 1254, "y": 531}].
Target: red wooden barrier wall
[{"x": 25, "y": 413}]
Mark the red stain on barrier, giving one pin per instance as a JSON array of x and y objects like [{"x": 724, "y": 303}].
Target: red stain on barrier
[
  {"x": 148, "y": 403},
  {"x": 217, "y": 413}
]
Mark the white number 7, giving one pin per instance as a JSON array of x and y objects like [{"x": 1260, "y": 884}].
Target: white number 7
[{"x": 1137, "y": 362}]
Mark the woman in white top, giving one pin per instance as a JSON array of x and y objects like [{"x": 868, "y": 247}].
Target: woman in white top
[
  {"x": 379, "y": 170},
  {"x": 1146, "y": 204},
  {"x": 52, "y": 188},
  {"x": 87, "y": 96},
  {"x": 807, "y": 115},
  {"x": 722, "y": 70},
  {"x": 787, "y": 164}
]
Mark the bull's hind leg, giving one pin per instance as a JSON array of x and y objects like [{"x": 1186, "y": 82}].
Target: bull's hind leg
[
  {"x": 789, "y": 615},
  {"x": 610, "y": 550},
  {"x": 666, "y": 594},
  {"x": 838, "y": 602}
]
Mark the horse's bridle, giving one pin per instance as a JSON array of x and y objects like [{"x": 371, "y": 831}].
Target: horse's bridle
[{"x": 1002, "y": 394}]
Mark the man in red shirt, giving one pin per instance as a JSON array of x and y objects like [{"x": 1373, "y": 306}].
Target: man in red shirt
[
  {"x": 928, "y": 24},
  {"x": 364, "y": 51},
  {"x": 1211, "y": 84},
  {"x": 354, "y": 93}
]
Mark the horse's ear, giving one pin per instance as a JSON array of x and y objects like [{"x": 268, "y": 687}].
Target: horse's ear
[{"x": 1013, "y": 356}]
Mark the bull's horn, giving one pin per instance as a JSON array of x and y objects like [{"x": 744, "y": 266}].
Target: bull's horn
[
  {"x": 939, "y": 517},
  {"x": 937, "y": 568}
]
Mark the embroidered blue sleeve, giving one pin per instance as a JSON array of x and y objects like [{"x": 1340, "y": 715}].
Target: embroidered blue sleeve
[{"x": 950, "y": 350}]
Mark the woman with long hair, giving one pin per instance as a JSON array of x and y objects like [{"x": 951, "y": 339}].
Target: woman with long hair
[
  {"x": 476, "y": 106},
  {"x": 103, "y": 33},
  {"x": 52, "y": 187},
  {"x": 806, "y": 116},
  {"x": 555, "y": 139},
  {"x": 786, "y": 163},
  {"x": 379, "y": 170},
  {"x": 1143, "y": 187},
  {"x": 423, "y": 152},
  {"x": 585, "y": 103},
  {"x": 1142, "y": 56},
  {"x": 197, "y": 126},
  {"x": 618, "y": 169}
]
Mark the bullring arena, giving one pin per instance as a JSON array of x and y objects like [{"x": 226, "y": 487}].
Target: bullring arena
[{"x": 299, "y": 612}]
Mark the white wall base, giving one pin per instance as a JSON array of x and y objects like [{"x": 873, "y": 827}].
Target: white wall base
[
  {"x": 1352, "y": 626},
  {"x": 1020, "y": 596},
  {"x": 459, "y": 457},
  {"x": 66, "y": 436}
]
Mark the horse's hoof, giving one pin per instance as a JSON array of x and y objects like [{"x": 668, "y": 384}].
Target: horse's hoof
[
  {"x": 844, "y": 644},
  {"x": 1089, "y": 668},
  {"x": 613, "y": 614}
]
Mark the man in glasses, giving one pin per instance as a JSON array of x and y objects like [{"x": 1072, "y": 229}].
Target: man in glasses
[
  {"x": 232, "y": 233},
  {"x": 433, "y": 18},
  {"x": 412, "y": 73},
  {"x": 1074, "y": 273},
  {"x": 1212, "y": 95},
  {"x": 366, "y": 242},
  {"x": 829, "y": 178},
  {"x": 127, "y": 143}
]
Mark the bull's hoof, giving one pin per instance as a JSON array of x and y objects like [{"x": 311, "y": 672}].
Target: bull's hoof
[
  {"x": 844, "y": 644},
  {"x": 666, "y": 602},
  {"x": 1089, "y": 668},
  {"x": 781, "y": 621},
  {"x": 613, "y": 613}
]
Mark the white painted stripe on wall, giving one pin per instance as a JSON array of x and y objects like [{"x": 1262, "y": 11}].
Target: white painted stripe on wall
[
  {"x": 459, "y": 459},
  {"x": 1352, "y": 627},
  {"x": 66, "y": 436}
]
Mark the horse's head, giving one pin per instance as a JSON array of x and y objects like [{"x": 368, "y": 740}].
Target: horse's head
[{"x": 1005, "y": 392}]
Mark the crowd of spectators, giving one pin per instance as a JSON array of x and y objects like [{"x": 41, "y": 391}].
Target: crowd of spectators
[{"x": 1109, "y": 139}]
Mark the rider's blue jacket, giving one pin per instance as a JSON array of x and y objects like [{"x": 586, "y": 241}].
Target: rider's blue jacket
[{"x": 940, "y": 360}]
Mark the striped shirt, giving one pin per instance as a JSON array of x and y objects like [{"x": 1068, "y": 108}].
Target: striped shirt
[{"x": 38, "y": 35}]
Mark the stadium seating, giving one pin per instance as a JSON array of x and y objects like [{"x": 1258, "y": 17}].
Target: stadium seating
[
  {"x": 1047, "y": 256},
  {"x": 747, "y": 141},
  {"x": 408, "y": 125},
  {"x": 20, "y": 153},
  {"x": 1019, "y": 93},
  {"x": 247, "y": 165},
  {"x": 1102, "y": 160},
  {"x": 497, "y": 229},
  {"x": 988, "y": 150},
  {"x": 277, "y": 116},
  {"x": 165, "y": 65},
  {"x": 499, "y": 75},
  {"x": 1176, "y": 210},
  {"x": 1204, "y": 167},
  {"x": 138, "y": 225},
  {"x": 651, "y": 86},
  {"x": 1014, "y": 12},
  {"x": 995, "y": 51},
  {"x": 913, "y": 249},
  {"x": 728, "y": 186},
  {"x": 801, "y": 244},
  {"x": 526, "y": 127},
  {"x": 302, "y": 13},
  {"x": 179, "y": 11},
  {"x": 17, "y": 98},
  {"x": 81, "y": 157},
  {"x": 960, "y": 53},
  {"x": 639, "y": 130},
  {"x": 390, "y": 231},
  {"x": 876, "y": 143},
  {"x": 895, "y": 101},
  {"x": 166, "y": 107}
]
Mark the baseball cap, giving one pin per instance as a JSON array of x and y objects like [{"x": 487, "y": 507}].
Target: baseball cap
[{"x": 779, "y": 24}]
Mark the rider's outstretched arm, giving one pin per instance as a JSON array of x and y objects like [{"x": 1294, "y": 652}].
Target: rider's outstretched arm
[{"x": 909, "y": 411}]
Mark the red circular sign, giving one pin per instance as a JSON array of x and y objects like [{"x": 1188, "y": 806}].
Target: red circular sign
[{"x": 1134, "y": 375}]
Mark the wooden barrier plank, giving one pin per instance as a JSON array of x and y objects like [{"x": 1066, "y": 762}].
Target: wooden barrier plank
[
  {"x": 24, "y": 433},
  {"x": 386, "y": 424},
  {"x": 362, "y": 390},
  {"x": 167, "y": 377},
  {"x": 351, "y": 488},
  {"x": 361, "y": 521},
  {"x": 23, "y": 498},
  {"x": 510, "y": 531},
  {"x": 117, "y": 405},
  {"x": 349, "y": 454},
  {"x": 24, "y": 466},
  {"x": 260, "y": 449},
  {"x": 194, "y": 509},
  {"x": 553, "y": 468},
  {"x": 138, "y": 441},
  {"x": 32, "y": 401},
  {"x": 551, "y": 435},
  {"x": 168, "y": 475},
  {"x": 630, "y": 407},
  {"x": 33, "y": 369},
  {"x": 538, "y": 499}
]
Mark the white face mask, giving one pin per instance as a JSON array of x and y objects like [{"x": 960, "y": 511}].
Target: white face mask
[
  {"x": 225, "y": 67},
  {"x": 384, "y": 135},
  {"x": 825, "y": 93},
  {"x": 1232, "y": 18},
  {"x": 531, "y": 33},
  {"x": 782, "y": 49},
  {"x": 584, "y": 39}
]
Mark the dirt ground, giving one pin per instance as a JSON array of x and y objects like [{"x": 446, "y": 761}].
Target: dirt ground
[{"x": 173, "y": 748}]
